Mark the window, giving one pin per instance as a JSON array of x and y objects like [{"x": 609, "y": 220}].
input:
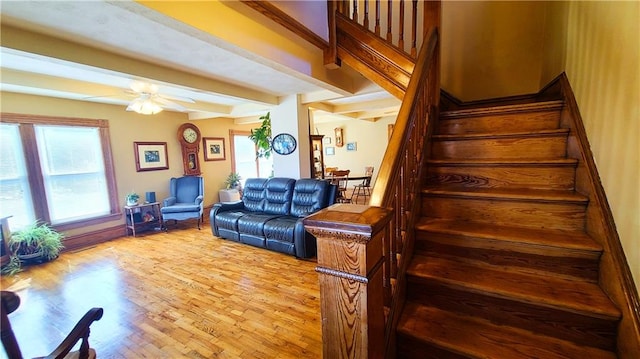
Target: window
[
  {"x": 243, "y": 153},
  {"x": 15, "y": 195},
  {"x": 56, "y": 170}
]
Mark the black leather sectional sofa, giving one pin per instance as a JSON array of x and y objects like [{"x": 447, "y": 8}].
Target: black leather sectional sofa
[{"x": 270, "y": 214}]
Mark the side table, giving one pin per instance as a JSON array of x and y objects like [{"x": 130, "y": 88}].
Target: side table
[{"x": 142, "y": 217}]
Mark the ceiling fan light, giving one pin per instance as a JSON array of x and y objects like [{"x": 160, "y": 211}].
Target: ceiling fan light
[{"x": 144, "y": 106}]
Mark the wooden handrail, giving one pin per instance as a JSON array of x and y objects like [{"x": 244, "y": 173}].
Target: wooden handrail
[
  {"x": 363, "y": 251},
  {"x": 398, "y": 183}
]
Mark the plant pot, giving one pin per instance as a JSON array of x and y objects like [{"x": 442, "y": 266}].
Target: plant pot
[
  {"x": 132, "y": 203},
  {"x": 32, "y": 258}
]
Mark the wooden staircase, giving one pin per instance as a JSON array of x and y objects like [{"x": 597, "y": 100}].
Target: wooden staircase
[{"x": 503, "y": 267}]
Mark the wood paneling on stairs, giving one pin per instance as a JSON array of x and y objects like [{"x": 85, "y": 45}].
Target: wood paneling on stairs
[
  {"x": 372, "y": 56},
  {"x": 503, "y": 266}
]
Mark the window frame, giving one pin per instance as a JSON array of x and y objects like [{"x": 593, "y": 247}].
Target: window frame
[
  {"x": 232, "y": 134},
  {"x": 27, "y": 132}
]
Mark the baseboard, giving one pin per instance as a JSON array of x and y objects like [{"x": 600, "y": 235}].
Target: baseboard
[{"x": 615, "y": 275}]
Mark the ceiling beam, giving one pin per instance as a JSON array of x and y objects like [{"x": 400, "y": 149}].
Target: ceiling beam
[{"x": 48, "y": 46}]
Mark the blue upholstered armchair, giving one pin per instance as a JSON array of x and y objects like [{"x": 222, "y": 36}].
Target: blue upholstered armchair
[{"x": 185, "y": 201}]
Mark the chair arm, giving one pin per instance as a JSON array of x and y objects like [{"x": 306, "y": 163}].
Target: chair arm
[
  {"x": 199, "y": 199},
  {"x": 169, "y": 201},
  {"x": 304, "y": 242},
  {"x": 219, "y": 208},
  {"x": 79, "y": 332}
]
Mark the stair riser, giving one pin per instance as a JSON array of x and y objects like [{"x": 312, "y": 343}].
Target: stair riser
[
  {"x": 555, "y": 261},
  {"x": 500, "y": 124},
  {"x": 493, "y": 148},
  {"x": 560, "y": 178},
  {"x": 579, "y": 328},
  {"x": 550, "y": 215},
  {"x": 413, "y": 348}
]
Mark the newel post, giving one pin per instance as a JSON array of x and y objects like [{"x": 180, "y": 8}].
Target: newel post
[{"x": 350, "y": 270}]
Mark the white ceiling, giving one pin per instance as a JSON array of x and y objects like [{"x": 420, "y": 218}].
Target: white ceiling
[{"x": 129, "y": 29}]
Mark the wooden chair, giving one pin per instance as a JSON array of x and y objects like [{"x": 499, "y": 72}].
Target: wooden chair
[
  {"x": 364, "y": 188},
  {"x": 328, "y": 171},
  {"x": 10, "y": 302},
  {"x": 341, "y": 179}
]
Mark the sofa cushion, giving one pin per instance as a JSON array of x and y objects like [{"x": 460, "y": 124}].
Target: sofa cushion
[
  {"x": 229, "y": 220},
  {"x": 278, "y": 194},
  {"x": 309, "y": 196},
  {"x": 253, "y": 195},
  {"x": 253, "y": 223},
  {"x": 251, "y": 228},
  {"x": 280, "y": 229},
  {"x": 181, "y": 207}
]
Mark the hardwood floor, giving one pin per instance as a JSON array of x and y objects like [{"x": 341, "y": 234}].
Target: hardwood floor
[{"x": 181, "y": 294}]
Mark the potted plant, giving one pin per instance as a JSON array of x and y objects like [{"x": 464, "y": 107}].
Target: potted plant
[
  {"x": 233, "y": 180},
  {"x": 36, "y": 243},
  {"x": 261, "y": 136},
  {"x": 132, "y": 198}
]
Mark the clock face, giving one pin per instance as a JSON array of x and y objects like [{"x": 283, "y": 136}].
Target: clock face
[
  {"x": 284, "y": 144},
  {"x": 190, "y": 135}
]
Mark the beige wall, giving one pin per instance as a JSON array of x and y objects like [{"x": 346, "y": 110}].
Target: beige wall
[
  {"x": 126, "y": 128},
  {"x": 491, "y": 48},
  {"x": 371, "y": 141},
  {"x": 603, "y": 67}
]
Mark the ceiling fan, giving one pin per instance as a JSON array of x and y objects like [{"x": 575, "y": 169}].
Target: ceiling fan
[{"x": 149, "y": 102}]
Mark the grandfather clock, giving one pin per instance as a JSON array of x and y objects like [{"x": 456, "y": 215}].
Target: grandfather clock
[{"x": 189, "y": 137}]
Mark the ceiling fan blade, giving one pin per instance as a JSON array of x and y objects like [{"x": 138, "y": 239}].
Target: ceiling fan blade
[
  {"x": 170, "y": 104},
  {"x": 177, "y": 98}
]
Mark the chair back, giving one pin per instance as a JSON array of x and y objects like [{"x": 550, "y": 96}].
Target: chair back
[
  {"x": 79, "y": 334},
  {"x": 368, "y": 171},
  {"x": 341, "y": 179},
  {"x": 186, "y": 189},
  {"x": 328, "y": 171}
]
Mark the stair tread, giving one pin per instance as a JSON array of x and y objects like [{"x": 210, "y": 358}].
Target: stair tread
[
  {"x": 504, "y": 161},
  {"x": 580, "y": 296},
  {"x": 478, "y": 338},
  {"x": 506, "y": 193},
  {"x": 503, "y": 109},
  {"x": 478, "y": 136},
  {"x": 544, "y": 237},
  {"x": 566, "y": 294}
]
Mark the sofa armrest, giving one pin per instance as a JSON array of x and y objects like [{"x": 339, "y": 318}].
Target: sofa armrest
[
  {"x": 169, "y": 201},
  {"x": 304, "y": 242},
  {"x": 219, "y": 208}
]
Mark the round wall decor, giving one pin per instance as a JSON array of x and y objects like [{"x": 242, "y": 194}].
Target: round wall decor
[{"x": 284, "y": 144}]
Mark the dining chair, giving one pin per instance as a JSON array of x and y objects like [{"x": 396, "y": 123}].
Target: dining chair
[
  {"x": 364, "y": 188},
  {"x": 328, "y": 171},
  {"x": 341, "y": 179}
]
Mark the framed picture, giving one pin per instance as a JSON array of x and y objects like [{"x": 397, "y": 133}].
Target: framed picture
[
  {"x": 213, "y": 148},
  {"x": 151, "y": 156},
  {"x": 352, "y": 146},
  {"x": 338, "y": 133},
  {"x": 326, "y": 140},
  {"x": 330, "y": 151}
]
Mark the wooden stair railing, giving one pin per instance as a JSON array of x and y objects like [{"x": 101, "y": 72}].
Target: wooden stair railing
[
  {"x": 363, "y": 251},
  {"x": 383, "y": 58},
  {"x": 394, "y": 15}
]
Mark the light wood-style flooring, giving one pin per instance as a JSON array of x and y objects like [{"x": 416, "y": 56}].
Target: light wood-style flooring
[{"x": 181, "y": 294}]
